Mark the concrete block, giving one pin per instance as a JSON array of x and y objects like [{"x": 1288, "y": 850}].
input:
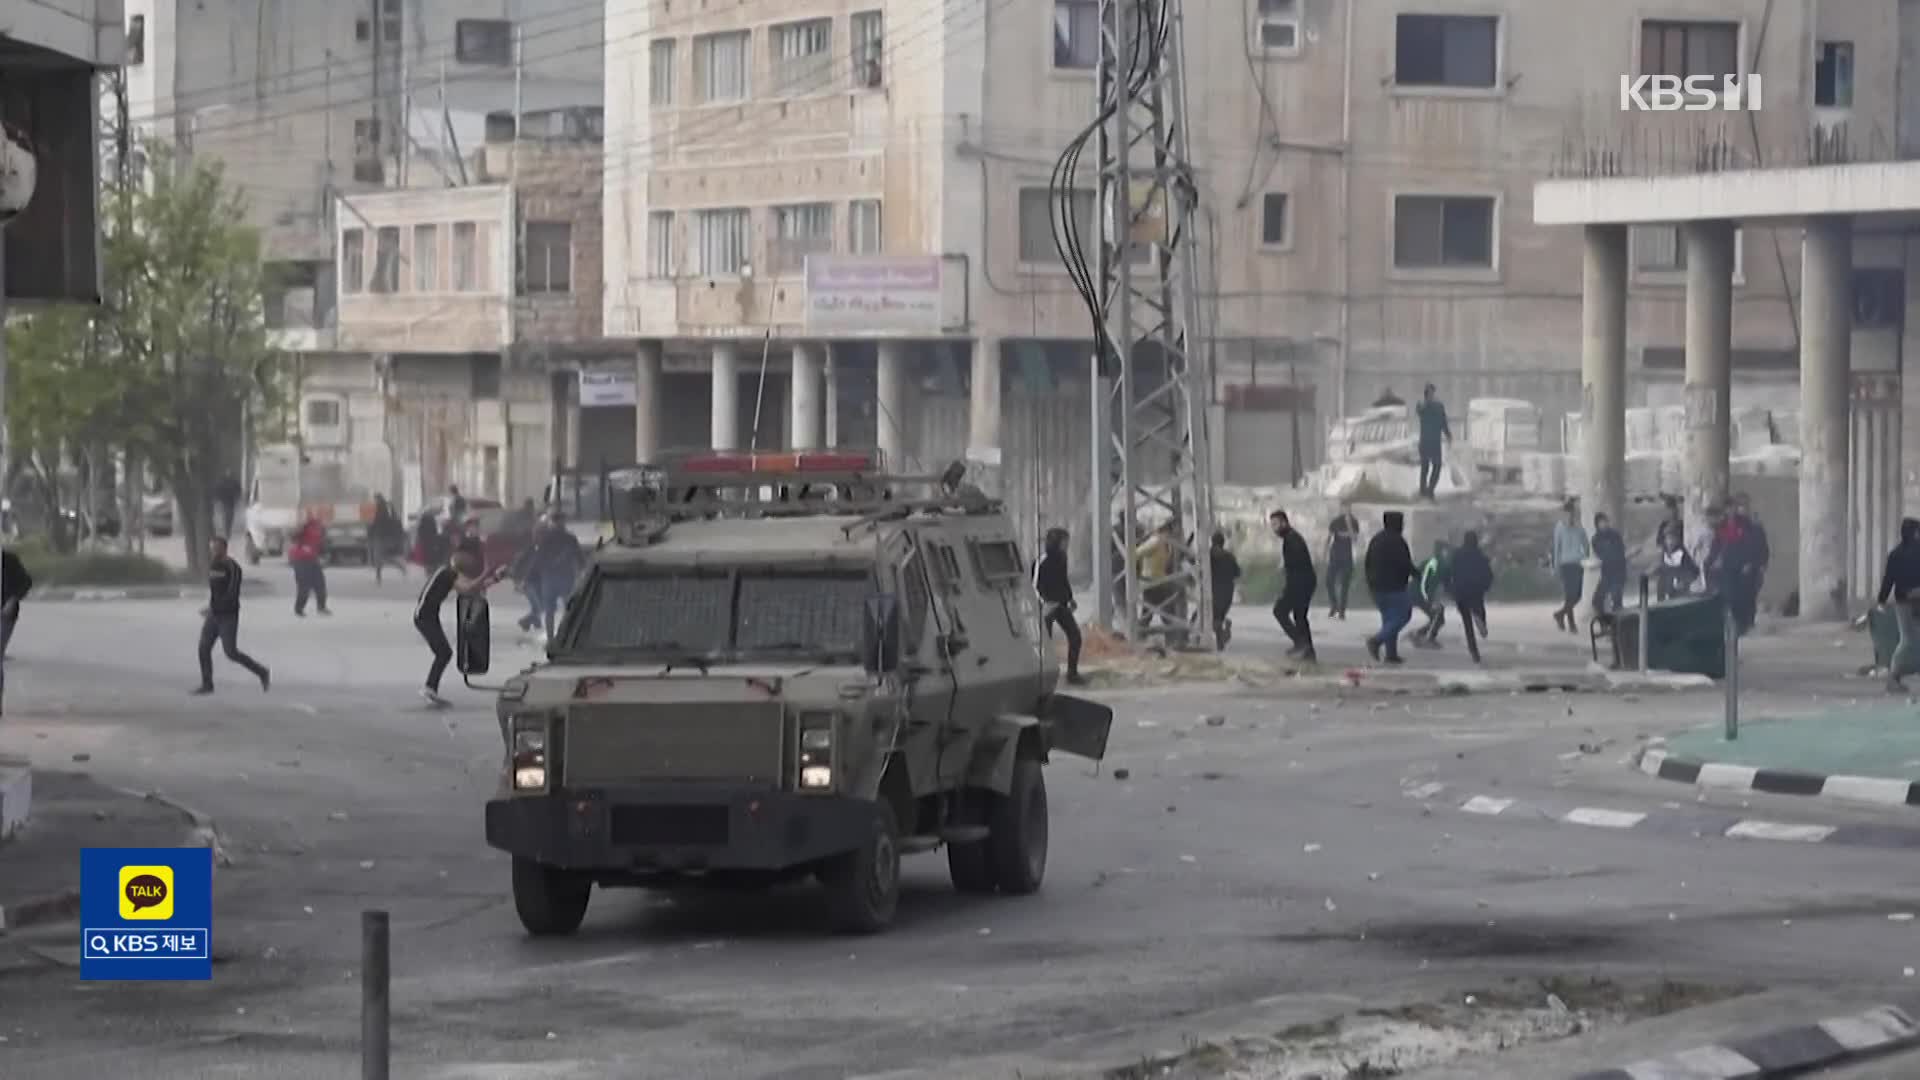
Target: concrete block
[{"x": 16, "y": 797}]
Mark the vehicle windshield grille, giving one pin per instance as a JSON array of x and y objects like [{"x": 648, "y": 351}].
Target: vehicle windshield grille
[{"x": 716, "y": 611}]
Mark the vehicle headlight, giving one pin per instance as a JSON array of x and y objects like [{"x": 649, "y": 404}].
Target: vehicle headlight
[
  {"x": 529, "y": 753},
  {"x": 816, "y": 751}
]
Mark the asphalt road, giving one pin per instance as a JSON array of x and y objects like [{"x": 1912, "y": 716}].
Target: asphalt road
[{"x": 1306, "y": 849}]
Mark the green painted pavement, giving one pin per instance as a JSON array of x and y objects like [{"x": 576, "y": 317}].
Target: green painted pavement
[{"x": 1880, "y": 741}]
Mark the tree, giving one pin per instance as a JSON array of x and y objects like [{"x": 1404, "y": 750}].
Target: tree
[
  {"x": 60, "y": 399},
  {"x": 168, "y": 367}
]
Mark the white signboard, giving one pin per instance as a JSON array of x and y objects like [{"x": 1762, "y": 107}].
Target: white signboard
[
  {"x": 874, "y": 293},
  {"x": 607, "y": 388}
]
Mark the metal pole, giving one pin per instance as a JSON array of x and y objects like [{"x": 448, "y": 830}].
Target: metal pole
[
  {"x": 376, "y": 1011},
  {"x": 1646, "y": 627},
  {"x": 1732, "y": 681}
]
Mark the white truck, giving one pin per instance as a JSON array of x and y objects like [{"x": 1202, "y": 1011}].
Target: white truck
[{"x": 289, "y": 486}]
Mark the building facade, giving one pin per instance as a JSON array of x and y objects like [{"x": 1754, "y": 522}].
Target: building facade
[
  {"x": 465, "y": 317},
  {"x": 1365, "y": 173}
]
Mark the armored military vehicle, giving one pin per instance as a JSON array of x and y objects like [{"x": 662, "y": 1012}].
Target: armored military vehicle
[{"x": 784, "y": 665}]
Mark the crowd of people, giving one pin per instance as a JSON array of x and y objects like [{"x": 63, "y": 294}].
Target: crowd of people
[
  {"x": 539, "y": 554},
  {"x": 1459, "y": 577}
]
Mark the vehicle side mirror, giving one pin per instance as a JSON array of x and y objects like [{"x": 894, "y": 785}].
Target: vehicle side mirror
[
  {"x": 880, "y": 634},
  {"x": 473, "y": 634}
]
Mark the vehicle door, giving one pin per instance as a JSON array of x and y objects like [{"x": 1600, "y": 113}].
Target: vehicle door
[
  {"x": 926, "y": 679},
  {"x": 1009, "y": 605}
]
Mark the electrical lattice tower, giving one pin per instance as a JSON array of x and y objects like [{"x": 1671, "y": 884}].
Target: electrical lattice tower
[{"x": 1151, "y": 462}]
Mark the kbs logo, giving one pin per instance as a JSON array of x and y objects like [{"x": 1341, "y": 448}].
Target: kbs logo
[{"x": 1695, "y": 93}]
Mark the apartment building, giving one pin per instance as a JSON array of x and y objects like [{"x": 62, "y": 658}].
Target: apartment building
[
  {"x": 466, "y": 317},
  {"x": 305, "y": 101},
  {"x": 855, "y": 191}
]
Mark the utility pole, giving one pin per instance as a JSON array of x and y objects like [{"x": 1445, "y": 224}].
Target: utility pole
[{"x": 1150, "y": 378}]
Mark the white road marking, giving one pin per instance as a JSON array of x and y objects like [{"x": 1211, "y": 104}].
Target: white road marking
[
  {"x": 1604, "y": 819},
  {"x": 1736, "y": 777},
  {"x": 1706, "y": 1061},
  {"x": 1480, "y": 804},
  {"x": 1425, "y": 791},
  {"x": 1773, "y": 830}
]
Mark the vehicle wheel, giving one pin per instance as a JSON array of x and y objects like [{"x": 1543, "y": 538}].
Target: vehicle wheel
[
  {"x": 863, "y": 886},
  {"x": 551, "y": 902},
  {"x": 1018, "y": 841}
]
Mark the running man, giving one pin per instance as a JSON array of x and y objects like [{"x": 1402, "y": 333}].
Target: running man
[
  {"x": 220, "y": 619},
  {"x": 459, "y": 574}
]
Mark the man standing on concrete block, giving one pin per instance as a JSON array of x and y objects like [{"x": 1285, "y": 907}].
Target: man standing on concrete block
[{"x": 1433, "y": 428}]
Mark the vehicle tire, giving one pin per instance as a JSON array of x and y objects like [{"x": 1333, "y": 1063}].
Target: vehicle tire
[
  {"x": 863, "y": 886},
  {"x": 1018, "y": 841},
  {"x": 551, "y": 902}
]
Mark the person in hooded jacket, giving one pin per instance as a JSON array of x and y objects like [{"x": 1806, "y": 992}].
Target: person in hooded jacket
[
  {"x": 1472, "y": 580},
  {"x": 1389, "y": 569},
  {"x": 1224, "y": 571},
  {"x": 1900, "y": 590},
  {"x": 555, "y": 566},
  {"x": 1054, "y": 586},
  {"x": 1610, "y": 550},
  {"x": 1430, "y": 595},
  {"x": 309, "y": 579}
]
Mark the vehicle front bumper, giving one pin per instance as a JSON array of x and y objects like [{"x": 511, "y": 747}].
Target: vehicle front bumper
[{"x": 677, "y": 828}]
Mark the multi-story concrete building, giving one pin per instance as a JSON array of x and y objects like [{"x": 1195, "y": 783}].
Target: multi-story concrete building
[
  {"x": 305, "y": 101},
  {"x": 1366, "y": 171},
  {"x": 466, "y": 316}
]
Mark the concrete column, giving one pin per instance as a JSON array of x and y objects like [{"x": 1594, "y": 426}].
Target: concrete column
[
  {"x": 1826, "y": 341},
  {"x": 833, "y": 397},
  {"x": 891, "y": 387},
  {"x": 725, "y": 396},
  {"x": 983, "y": 424},
  {"x": 1709, "y": 247},
  {"x": 646, "y": 402},
  {"x": 1603, "y": 370},
  {"x": 803, "y": 397}
]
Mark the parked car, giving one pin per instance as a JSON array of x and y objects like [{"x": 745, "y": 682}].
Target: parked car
[{"x": 157, "y": 512}]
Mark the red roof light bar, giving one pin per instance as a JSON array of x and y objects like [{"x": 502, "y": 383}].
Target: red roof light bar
[{"x": 782, "y": 464}]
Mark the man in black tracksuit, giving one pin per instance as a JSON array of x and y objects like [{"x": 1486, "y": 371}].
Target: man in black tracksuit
[
  {"x": 1223, "y": 571},
  {"x": 1900, "y": 587},
  {"x": 1472, "y": 579},
  {"x": 1295, "y": 604},
  {"x": 220, "y": 621},
  {"x": 1050, "y": 581}
]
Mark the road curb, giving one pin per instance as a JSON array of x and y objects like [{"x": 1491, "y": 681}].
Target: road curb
[
  {"x": 63, "y": 594},
  {"x": 1880, "y": 791},
  {"x": 39, "y": 910},
  {"x": 1783, "y": 1052},
  {"x": 205, "y": 831}
]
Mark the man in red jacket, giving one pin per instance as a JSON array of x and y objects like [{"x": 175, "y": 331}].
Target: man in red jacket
[{"x": 309, "y": 580}]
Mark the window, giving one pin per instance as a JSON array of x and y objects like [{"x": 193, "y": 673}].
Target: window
[
  {"x": 660, "y": 72},
  {"x": 485, "y": 374},
  {"x": 863, "y": 227},
  {"x": 799, "y": 231},
  {"x": 1076, "y": 34},
  {"x": 483, "y": 41},
  {"x": 713, "y": 610},
  {"x": 722, "y": 239},
  {"x": 390, "y": 24},
  {"x": 660, "y": 244},
  {"x": 1277, "y": 28},
  {"x": 1446, "y": 50},
  {"x": 426, "y": 258},
  {"x": 1275, "y": 228},
  {"x": 1659, "y": 249},
  {"x": 323, "y": 412},
  {"x": 868, "y": 30},
  {"x": 1689, "y": 48},
  {"x": 549, "y": 267},
  {"x": 802, "y": 57},
  {"x": 1833, "y": 75},
  {"x": 1432, "y": 232},
  {"x": 490, "y": 471},
  {"x": 466, "y": 260},
  {"x": 1037, "y": 245},
  {"x": 998, "y": 562},
  {"x": 353, "y": 261},
  {"x": 945, "y": 568},
  {"x": 386, "y": 259},
  {"x": 362, "y": 30},
  {"x": 720, "y": 63},
  {"x": 917, "y": 601},
  {"x": 136, "y": 40}
]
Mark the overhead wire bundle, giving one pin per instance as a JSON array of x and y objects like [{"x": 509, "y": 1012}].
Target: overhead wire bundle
[{"x": 1061, "y": 209}]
